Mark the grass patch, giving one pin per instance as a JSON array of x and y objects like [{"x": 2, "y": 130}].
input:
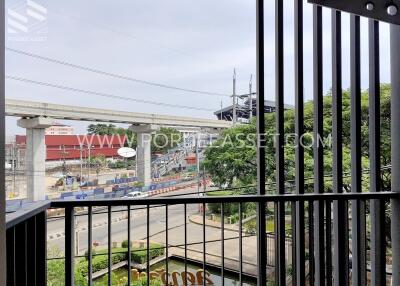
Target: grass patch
[{"x": 220, "y": 193}]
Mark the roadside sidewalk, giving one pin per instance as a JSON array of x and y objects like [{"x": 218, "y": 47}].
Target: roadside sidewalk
[{"x": 198, "y": 219}]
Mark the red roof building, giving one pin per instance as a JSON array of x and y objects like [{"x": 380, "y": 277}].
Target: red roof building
[{"x": 69, "y": 147}]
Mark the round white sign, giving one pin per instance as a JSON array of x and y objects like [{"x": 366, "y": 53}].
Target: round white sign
[{"x": 126, "y": 152}]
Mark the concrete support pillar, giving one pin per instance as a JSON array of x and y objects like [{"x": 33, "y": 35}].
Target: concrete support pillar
[
  {"x": 35, "y": 160},
  {"x": 143, "y": 152}
]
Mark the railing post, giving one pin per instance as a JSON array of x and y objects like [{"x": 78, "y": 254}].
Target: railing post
[
  {"x": 261, "y": 228},
  {"x": 41, "y": 251},
  {"x": 69, "y": 245},
  {"x": 319, "y": 235},
  {"x": 358, "y": 224},
  {"x": 340, "y": 215},
  {"x": 395, "y": 144},
  {"x": 298, "y": 212},
  {"x": 378, "y": 251},
  {"x": 3, "y": 264},
  {"x": 21, "y": 257}
]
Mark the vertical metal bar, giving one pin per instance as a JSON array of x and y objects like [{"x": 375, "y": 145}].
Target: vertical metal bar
[
  {"x": 166, "y": 243},
  {"x": 378, "y": 261},
  {"x": 11, "y": 257},
  {"x": 311, "y": 243},
  {"x": 21, "y": 254},
  {"x": 328, "y": 243},
  {"x": 90, "y": 245},
  {"x": 340, "y": 221},
  {"x": 129, "y": 246},
  {"x": 299, "y": 234},
  {"x": 3, "y": 250},
  {"x": 293, "y": 206},
  {"x": 357, "y": 207},
  {"x": 261, "y": 228},
  {"x": 240, "y": 245},
  {"x": 280, "y": 267},
  {"x": 32, "y": 247},
  {"x": 185, "y": 214},
  {"x": 109, "y": 252},
  {"x": 280, "y": 274},
  {"x": 319, "y": 248},
  {"x": 41, "y": 251},
  {"x": 204, "y": 244},
  {"x": 222, "y": 244},
  {"x": 395, "y": 144},
  {"x": 148, "y": 245},
  {"x": 69, "y": 245}
]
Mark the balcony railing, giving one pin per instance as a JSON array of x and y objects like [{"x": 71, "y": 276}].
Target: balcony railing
[{"x": 26, "y": 237}]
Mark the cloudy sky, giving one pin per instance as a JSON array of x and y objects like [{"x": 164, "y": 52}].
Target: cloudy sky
[{"x": 192, "y": 44}]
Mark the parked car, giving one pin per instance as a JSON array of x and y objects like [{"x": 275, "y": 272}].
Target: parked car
[
  {"x": 215, "y": 185},
  {"x": 188, "y": 177},
  {"x": 136, "y": 195}
]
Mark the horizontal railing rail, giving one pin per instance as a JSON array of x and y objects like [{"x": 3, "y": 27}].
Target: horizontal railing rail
[
  {"x": 228, "y": 199},
  {"x": 25, "y": 213},
  {"x": 26, "y": 235}
]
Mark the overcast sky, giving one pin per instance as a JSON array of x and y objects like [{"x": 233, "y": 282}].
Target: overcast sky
[{"x": 193, "y": 44}]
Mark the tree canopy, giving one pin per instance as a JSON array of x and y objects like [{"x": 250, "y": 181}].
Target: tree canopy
[
  {"x": 232, "y": 158},
  {"x": 163, "y": 140}
]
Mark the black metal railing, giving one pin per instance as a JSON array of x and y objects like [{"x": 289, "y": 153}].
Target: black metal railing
[
  {"x": 332, "y": 236},
  {"x": 26, "y": 245},
  {"x": 26, "y": 236}
]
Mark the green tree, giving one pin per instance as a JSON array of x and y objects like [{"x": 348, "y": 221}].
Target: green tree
[
  {"x": 99, "y": 161},
  {"x": 232, "y": 158},
  {"x": 101, "y": 129},
  {"x": 164, "y": 139}
]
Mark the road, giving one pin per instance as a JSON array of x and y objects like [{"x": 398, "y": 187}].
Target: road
[
  {"x": 157, "y": 219},
  {"x": 55, "y": 227}
]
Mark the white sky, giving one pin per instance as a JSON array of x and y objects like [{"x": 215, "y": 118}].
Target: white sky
[{"x": 193, "y": 44}]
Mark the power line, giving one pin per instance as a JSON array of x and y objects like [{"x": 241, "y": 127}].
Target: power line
[
  {"x": 128, "y": 35},
  {"x": 21, "y": 79},
  {"x": 118, "y": 76}
]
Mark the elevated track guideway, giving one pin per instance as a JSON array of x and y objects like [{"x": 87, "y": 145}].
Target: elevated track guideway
[{"x": 31, "y": 109}]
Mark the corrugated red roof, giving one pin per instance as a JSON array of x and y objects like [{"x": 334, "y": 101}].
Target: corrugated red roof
[
  {"x": 77, "y": 140},
  {"x": 67, "y": 147}
]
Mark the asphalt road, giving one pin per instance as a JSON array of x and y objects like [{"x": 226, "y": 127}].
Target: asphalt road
[
  {"x": 157, "y": 219},
  {"x": 119, "y": 226}
]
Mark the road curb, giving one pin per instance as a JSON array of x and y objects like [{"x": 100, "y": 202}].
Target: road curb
[{"x": 212, "y": 225}]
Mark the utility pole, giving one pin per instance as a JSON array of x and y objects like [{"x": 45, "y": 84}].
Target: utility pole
[
  {"x": 221, "y": 112},
  {"x": 13, "y": 165},
  {"x": 250, "y": 98},
  {"x": 88, "y": 177},
  {"x": 234, "y": 98},
  {"x": 198, "y": 164},
  {"x": 204, "y": 179},
  {"x": 81, "y": 175}
]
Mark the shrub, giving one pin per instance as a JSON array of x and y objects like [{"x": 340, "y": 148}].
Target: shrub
[
  {"x": 124, "y": 244},
  {"x": 229, "y": 209},
  {"x": 55, "y": 274},
  {"x": 100, "y": 261},
  {"x": 87, "y": 253}
]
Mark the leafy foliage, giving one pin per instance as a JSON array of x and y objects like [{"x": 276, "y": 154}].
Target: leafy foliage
[
  {"x": 232, "y": 158},
  {"x": 163, "y": 140}
]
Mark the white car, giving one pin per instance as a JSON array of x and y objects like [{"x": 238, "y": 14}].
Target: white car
[{"x": 137, "y": 195}]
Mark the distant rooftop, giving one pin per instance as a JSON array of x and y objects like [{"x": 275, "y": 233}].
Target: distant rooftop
[{"x": 242, "y": 110}]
